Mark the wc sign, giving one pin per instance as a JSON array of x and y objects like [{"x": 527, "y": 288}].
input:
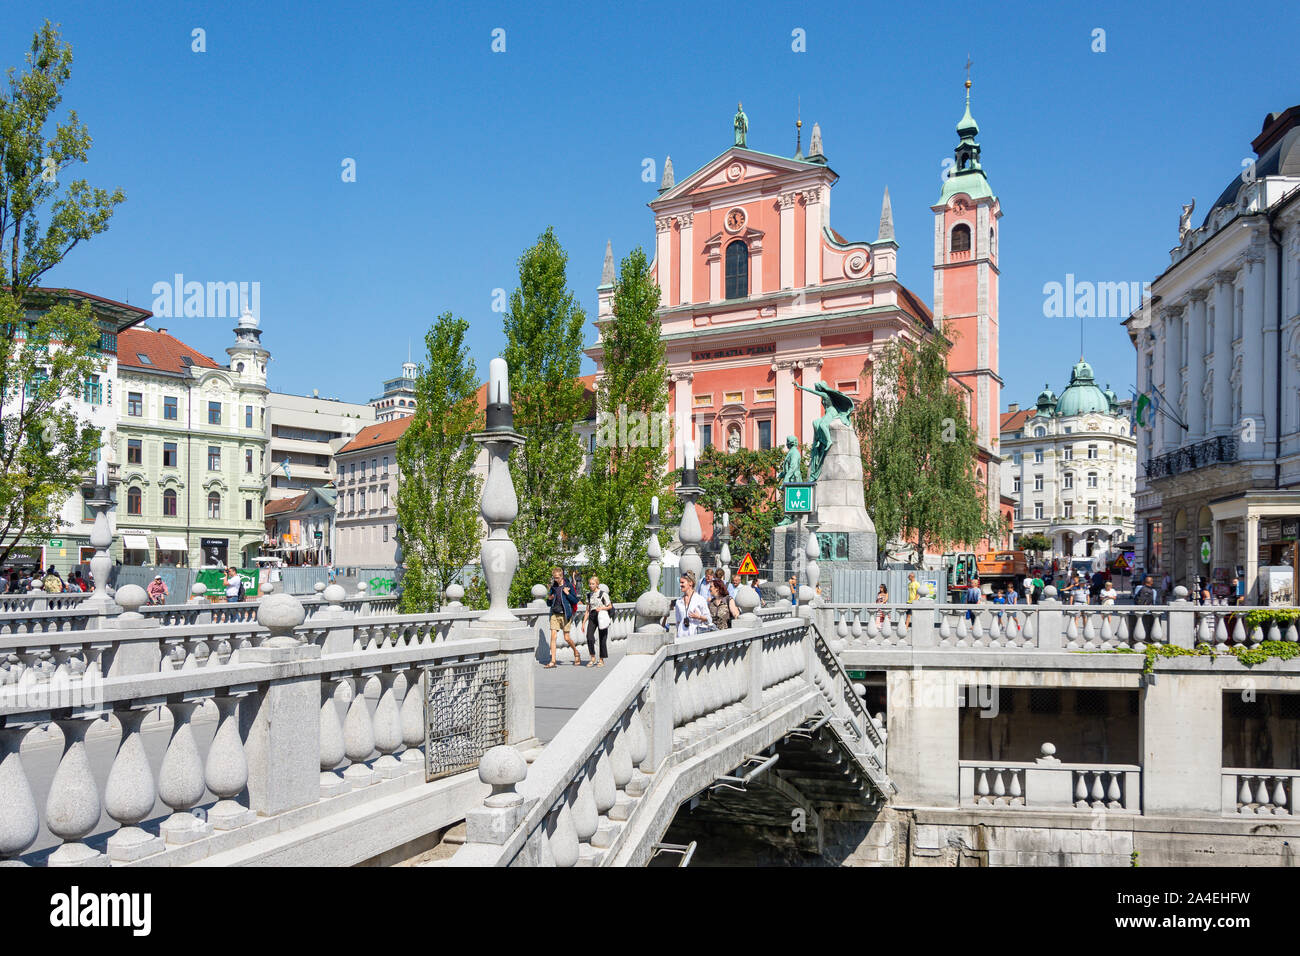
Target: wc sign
[{"x": 798, "y": 498}]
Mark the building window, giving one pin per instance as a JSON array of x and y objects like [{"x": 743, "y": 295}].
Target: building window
[
  {"x": 354, "y": 471},
  {"x": 134, "y": 500},
  {"x": 385, "y": 497},
  {"x": 248, "y": 509},
  {"x": 1069, "y": 453},
  {"x": 169, "y": 408},
  {"x": 352, "y": 501},
  {"x": 591, "y": 445},
  {"x": 94, "y": 392},
  {"x": 1015, "y": 485},
  {"x": 214, "y": 458},
  {"x": 134, "y": 451},
  {"x": 1092, "y": 510},
  {"x": 214, "y": 505},
  {"x": 214, "y": 413},
  {"x": 1038, "y": 482},
  {"x": 248, "y": 416},
  {"x": 363, "y": 469},
  {"x": 363, "y": 499},
  {"x": 1069, "y": 509},
  {"x": 703, "y": 401},
  {"x": 706, "y": 436},
  {"x": 961, "y": 238},
  {"x": 765, "y": 433},
  {"x": 1092, "y": 451},
  {"x": 248, "y": 461},
  {"x": 1038, "y": 511},
  {"x": 385, "y": 532},
  {"x": 1092, "y": 479},
  {"x": 1038, "y": 456},
  {"x": 767, "y": 394},
  {"x": 374, "y": 467},
  {"x": 169, "y": 504},
  {"x": 134, "y": 404},
  {"x": 1069, "y": 480},
  {"x": 169, "y": 454},
  {"x": 386, "y": 462},
  {"x": 737, "y": 270}
]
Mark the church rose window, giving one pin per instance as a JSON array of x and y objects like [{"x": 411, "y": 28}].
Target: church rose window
[{"x": 737, "y": 270}]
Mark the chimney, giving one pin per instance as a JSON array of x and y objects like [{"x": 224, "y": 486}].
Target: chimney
[
  {"x": 162, "y": 329},
  {"x": 1013, "y": 407}
]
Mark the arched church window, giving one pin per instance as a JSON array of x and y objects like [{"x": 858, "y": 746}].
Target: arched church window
[
  {"x": 737, "y": 270},
  {"x": 961, "y": 238}
]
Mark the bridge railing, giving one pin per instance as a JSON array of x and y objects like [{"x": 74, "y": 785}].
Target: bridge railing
[
  {"x": 579, "y": 798},
  {"x": 1047, "y": 783},
  {"x": 304, "y": 715},
  {"x": 40, "y": 601}
]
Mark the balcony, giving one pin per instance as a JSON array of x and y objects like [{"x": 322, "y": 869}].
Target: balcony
[{"x": 1212, "y": 451}]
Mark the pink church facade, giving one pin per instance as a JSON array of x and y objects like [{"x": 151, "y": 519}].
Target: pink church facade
[{"x": 760, "y": 294}]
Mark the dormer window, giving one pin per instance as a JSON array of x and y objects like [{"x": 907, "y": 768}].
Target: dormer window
[
  {"x": 961, "y": 238},
  {"x": 737, "y": 270}
]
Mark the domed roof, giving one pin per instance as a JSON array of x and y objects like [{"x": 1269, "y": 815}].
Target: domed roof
[
  {"x": 1082, "y": 395},
  {"x": 1046, "y": 401}
]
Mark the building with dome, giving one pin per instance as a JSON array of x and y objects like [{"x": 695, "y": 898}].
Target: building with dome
[
  {"x": 191, "y": 442},
  {"x": 1218, "y": 380},
  {"x": 398, "y": 400},
  {"x": 1069, "y": 464}
]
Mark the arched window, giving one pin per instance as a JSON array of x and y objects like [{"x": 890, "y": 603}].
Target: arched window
[
  {"x": 134, "y": 497},
  {"x": 169, "y": 503},
  {"x": 737, "y": 270},
  {"x": 961, "y": 238},
  {"x": 214, "y": 505}
]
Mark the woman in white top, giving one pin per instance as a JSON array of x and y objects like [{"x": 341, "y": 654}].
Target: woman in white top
[
  {"x": 1108, "y": 595},
  {"x": 599, "y": 609},
  {"x": 691, "y": 608}
]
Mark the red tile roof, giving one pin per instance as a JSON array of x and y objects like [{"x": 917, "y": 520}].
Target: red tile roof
[
  {"x": 372, "y": 436},
  {"x": 163, "y": 350},
  {"x": 1014, "y": 421},
  {"x": 283, "y": 504}
]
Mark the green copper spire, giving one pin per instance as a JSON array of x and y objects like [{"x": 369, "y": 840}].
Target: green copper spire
[{"x": 966, "y": 175}]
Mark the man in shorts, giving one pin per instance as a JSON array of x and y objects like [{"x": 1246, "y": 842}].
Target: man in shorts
[{"x": 564, "y": 603}]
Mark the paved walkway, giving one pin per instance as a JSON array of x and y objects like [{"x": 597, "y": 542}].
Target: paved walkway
[{"x": 561, "y": 691}]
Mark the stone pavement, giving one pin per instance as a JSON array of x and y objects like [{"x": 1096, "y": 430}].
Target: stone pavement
[{"x": 561, "y": 691}]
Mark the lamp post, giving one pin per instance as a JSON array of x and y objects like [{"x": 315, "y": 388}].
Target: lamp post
[
  {"x": 499, "y": 506},
  {"x": 689, "y": 531}
]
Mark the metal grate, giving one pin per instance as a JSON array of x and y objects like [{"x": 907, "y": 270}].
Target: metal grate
[{"x": 464, "y": 714}]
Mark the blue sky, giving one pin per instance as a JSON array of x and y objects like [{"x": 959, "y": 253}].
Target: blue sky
[{"x": 231, "y": 159}]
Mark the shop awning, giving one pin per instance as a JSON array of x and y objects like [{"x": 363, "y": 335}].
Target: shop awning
[
  {"x": 167, "y": 543},
  {"x": 135, "y": 542}
]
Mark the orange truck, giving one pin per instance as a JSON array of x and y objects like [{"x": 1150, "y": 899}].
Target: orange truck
[{"x": 1002, "y": 568}]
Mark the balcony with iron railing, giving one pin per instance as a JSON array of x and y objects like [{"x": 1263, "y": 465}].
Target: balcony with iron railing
[{"x": 1213, "y": 451}]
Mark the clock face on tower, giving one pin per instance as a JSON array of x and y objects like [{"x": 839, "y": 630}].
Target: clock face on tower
[{"x": 735, "y": 220}]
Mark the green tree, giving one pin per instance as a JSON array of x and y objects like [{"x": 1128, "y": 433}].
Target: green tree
[
  {"x": 49, "y": 348},
  {"x": 631, "y": 434},
  {"x": 919, "y": 451},
  {"x": 746, "y": 484},
  {"x": 1036, "y": 542},
  {"x": 438, "y": 493},
  {"x": 544, "y": 329}
]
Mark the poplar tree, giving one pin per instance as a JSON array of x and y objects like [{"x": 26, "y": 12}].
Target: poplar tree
[
  {"x": 632, "y": 434},
  {"x": 438, "y": 494},
  {"x": 919, "y": 451},
  {"x": 48, "y": 349},
  {"x": 544, "y": 328}
]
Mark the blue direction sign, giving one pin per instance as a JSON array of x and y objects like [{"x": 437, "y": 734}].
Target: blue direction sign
[{"x": 798, "y": 498}]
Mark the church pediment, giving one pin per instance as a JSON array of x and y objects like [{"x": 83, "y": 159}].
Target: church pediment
[{"x": 740, "y": 167}]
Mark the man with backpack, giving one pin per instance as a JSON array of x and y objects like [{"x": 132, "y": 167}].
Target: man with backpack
[{"x": 52, "y": 583}]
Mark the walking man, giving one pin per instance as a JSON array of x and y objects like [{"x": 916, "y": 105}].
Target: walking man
[{"x": 564, "y": 604}]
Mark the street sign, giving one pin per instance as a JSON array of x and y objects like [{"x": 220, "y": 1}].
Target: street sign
[
  {"x": 798, "y": 498},
  {"x": 747, "y": 566},
  {"x": 56, "y": 542},
  {"x": 318, "y": 535}
]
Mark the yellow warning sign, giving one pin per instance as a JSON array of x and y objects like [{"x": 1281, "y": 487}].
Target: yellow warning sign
[{"x": 747, "y": 566}]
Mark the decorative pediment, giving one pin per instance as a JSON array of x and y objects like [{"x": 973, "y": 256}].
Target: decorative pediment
[{"x": 738, "y": 167}]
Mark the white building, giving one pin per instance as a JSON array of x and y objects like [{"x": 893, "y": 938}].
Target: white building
[
  {"x": 398, "y": 400},
  {"x": 1069, "y": 464},
  {"x": 303, "y": 433},
  {"x": 1218, "y": 351}
]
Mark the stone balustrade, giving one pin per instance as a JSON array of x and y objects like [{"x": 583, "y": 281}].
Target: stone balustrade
[
  {"x": 41, "y": 601},
  {"x": 1049, "y": 784},
  {"x": 1262, "y": 792},
  {"x": 604, "y": 788}
]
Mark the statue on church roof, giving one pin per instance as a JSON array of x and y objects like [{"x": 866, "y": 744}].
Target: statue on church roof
[
  {"x": 741, "y": 125},
  {"x": 815, "y": 147}
]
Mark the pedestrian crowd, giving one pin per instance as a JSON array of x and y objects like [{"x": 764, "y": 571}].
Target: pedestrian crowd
[{"x": 51, "y": 582}]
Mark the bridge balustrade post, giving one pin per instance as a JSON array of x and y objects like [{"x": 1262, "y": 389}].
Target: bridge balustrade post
[
  {"x": 1182, "y": 620},
  {"x": 1049, "y": 629},
  {"x": 659, "y": 717},
  {"x": 339, "y": 636},
  {"x": 921, "y": 633},
  {"x": 280, "y": 720}
]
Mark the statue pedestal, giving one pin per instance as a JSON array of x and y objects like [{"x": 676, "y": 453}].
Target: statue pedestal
[{"x": 841, "y": 514}]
